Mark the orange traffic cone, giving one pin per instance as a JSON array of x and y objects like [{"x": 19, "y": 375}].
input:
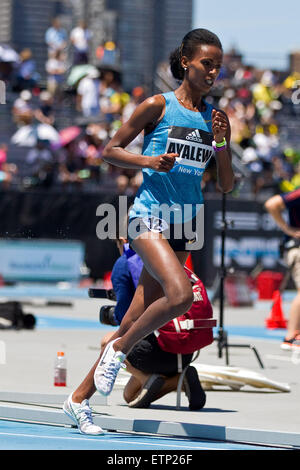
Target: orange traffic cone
[{"x": 276, "y": 318}]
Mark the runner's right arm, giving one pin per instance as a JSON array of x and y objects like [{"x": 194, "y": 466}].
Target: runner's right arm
[{"x": 146, "y": 115}]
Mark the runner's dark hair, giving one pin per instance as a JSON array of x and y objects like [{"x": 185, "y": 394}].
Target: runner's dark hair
[{"x": 188, "y": 46}]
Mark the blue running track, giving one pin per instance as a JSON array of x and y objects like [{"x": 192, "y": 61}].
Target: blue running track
[{"x": 27, "y": 436}]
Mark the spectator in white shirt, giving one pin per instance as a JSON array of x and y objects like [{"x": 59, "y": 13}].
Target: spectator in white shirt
[
  {"x": 56, "y": 68},
  {"x": 88, "y": 94},
  {"x": 80, "y": 37}
]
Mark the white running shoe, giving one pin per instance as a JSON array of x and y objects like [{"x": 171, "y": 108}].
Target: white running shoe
[
  {"x": 81, "y": 414},
  {"x": 107, "y": 369}
]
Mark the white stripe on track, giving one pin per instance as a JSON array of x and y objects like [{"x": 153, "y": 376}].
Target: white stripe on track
[{"x": 110, "y": 440}]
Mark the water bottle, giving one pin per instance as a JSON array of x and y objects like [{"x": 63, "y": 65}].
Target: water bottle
[{"x": 60, "y": 370}]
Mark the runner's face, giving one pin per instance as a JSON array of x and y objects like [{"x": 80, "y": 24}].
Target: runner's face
[{"x": 204, "y": 67}]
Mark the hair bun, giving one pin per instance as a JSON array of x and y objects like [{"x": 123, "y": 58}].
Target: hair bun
[{"x": 175, "y": 64}]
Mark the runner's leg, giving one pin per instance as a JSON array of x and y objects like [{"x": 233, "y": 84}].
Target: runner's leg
[
  {"x": 148, "y": 290},
  {"x": 164, "y": 266}
]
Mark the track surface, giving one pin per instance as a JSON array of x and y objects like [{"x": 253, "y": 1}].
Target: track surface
[{"x": 27, "y": 436}]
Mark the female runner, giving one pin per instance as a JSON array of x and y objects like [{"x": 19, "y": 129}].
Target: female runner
[{"x": 182, "y": 131}]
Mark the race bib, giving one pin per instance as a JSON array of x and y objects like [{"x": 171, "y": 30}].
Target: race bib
[{"x": 154, "y": 224}]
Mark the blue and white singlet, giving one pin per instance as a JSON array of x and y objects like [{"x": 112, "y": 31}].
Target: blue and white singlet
[{"x": 188, "y": 133}]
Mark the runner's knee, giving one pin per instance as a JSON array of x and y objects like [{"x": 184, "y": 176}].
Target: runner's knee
[{"x": 181, "y": 298}]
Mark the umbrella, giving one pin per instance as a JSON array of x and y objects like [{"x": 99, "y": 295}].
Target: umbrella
[
  {"x": 8, "y": 54},
  {"x": 28, "y": 136},
  {"x": 65, "y": 137},
  {"x": 78, "y": 72},
  {"x": 68, "y": 134}
]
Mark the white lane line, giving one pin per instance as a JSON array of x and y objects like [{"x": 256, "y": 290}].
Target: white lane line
[
  {"x": 279, "y": 358},
  {"x": 110, "y": 440}
]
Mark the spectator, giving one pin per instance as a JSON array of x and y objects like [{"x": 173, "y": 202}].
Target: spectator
[
  {"x": 97, "y": 134},
  {"x": 138, "y": 95},
  {"x": 40, "y": 164},
  {"x": 107, "y": 53},
  {"x": 266, "y": 144},
  {"x": 96, "y": 138},
  {"x": 56, "y": 68},
  {"x": 44, "y": 113},
  {"x": 112, "y": 98},
  {"x": 295, "y": 180},
  {"x": 56, "y": 37},
  {"x": 91, "y": 148},
  {"x": 22, "y": 109},
  {"x": 71, "y": 163},
  {"x": 26, "y": 74},
  {"x": 88, "y": 93},
  {"x": 281, "y": 169},
  {"x": 122, "y": 182},
  {"x": 135, "y": 182},
  {"x": 80, "y": 37}
]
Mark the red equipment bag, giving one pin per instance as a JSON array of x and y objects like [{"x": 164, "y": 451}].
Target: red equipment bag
[{"x": 194, "y": 329}]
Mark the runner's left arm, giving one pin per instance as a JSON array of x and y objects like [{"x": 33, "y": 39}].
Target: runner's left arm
[{"x": 221, "y": 129}]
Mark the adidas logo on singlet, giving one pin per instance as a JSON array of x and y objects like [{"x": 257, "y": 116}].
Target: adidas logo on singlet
[{"x": 194, "y": 135}]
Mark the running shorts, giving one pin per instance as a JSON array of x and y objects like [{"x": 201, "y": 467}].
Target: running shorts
[{"x": 182, "y": 237}]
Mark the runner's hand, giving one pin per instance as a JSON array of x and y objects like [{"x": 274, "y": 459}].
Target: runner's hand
[
  {"x": 219, "y": 125},
  {"x": 163, "y": 163}
]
